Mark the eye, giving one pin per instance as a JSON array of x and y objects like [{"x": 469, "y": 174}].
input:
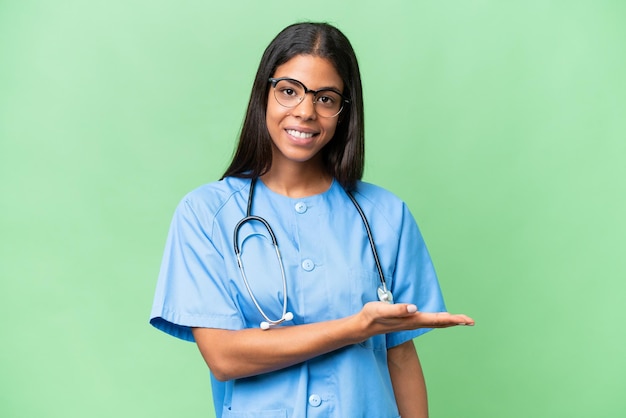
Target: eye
[
  {"x": 328, "y": 98},
  {"x": 287, "y": 91}
]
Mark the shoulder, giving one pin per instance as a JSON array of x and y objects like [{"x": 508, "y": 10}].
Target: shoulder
[
  {"x": 218, "y": 192},
  {"x": 207, "y": 201},
  {"x": 378, "y": 197},
  {"x": 379, "y": 203}
]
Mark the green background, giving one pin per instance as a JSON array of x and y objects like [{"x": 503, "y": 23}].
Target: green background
[{"x": 501, "y": 123}]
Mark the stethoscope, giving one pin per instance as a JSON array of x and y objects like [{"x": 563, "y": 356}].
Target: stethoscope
[{"x": 384, "y": 294}]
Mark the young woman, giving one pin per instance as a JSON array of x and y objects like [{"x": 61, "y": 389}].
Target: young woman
[{"x": 302, "y": 286}]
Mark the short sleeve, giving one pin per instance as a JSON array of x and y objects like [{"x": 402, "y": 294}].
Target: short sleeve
[
  {"x": 414, "y": 278},
  {"x": 192, "y": 286}
]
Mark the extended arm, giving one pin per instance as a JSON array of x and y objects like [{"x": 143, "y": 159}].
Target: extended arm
[
  {"x": 407, "y": 379},
  {"x": 248, "y": 352}
]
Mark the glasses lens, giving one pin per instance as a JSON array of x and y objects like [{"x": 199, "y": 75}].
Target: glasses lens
[
  {"x": 290, "y": 93},
  {"x": 328, "y": 103}
]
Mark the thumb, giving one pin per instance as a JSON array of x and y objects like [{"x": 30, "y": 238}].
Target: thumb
[{"x": 404, "y": 309}]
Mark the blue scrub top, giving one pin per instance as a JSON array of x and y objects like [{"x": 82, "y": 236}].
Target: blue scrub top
[{"x": 330, "y": 274}]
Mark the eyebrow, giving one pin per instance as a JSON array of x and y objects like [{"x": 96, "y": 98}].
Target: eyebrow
[
  {"x": 334, "y": 88},
  {"x": 337, "y": 89}
]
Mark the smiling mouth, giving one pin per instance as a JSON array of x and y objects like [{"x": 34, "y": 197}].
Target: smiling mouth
[{"x": 301, "y": 135}]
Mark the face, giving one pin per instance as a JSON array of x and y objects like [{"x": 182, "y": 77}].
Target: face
[{"x": 299, "y": 133}]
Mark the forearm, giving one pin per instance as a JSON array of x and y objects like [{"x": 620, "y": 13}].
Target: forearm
[
  {"x": 248, "y": 352},
  {"x": 408, "y": 382}
]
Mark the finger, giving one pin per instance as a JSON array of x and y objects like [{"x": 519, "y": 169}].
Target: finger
[
  {"x": 468, "y": 321},
  {"x": 444, "y": 320},
  {"x": 386, "y": 310},
  {"x": 405, "y": 309},
  {"x": 464, "y": 319}
]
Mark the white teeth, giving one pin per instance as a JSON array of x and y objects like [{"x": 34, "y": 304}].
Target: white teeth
[{"x": 298, "y": 134}]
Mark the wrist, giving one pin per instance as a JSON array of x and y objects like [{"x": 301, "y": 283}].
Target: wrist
[{"x": 358, "y": 326}]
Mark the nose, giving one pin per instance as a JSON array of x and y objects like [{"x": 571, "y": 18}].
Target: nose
[{"x": 306, "y": 108}]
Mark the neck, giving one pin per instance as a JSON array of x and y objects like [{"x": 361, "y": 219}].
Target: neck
[{"x": 297, "y": 181}]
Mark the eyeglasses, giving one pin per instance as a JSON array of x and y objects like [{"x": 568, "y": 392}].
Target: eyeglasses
[{"x": 290, "y": 93}]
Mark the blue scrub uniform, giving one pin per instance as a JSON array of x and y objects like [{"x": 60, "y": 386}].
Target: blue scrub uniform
[{"x": 330, "y": 274}]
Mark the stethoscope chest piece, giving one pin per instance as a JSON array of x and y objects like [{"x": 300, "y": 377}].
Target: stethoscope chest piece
[{"x": 385, "y": 295}]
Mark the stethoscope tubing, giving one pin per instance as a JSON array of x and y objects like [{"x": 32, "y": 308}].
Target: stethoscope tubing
[
  {"x": 370, "y": 237},
  {"x": 383, "y": 292},
  {"x": 252, "y": 218},
  {"x": 268, "y": 321}
]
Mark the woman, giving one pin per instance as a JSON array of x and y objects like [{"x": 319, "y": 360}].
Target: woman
[{"x": 310, "y": 330}]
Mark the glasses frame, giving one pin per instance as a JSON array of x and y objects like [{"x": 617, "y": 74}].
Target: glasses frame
[{"x": 274, "y": 82}]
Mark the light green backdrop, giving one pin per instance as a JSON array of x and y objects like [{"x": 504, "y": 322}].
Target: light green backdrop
[{"x": 501, "y": 123}]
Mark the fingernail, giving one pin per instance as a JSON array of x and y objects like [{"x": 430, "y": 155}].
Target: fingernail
[{"x": 411, "y": 308}]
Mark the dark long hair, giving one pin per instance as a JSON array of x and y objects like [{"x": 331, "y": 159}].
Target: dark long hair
[{"x": 343, "y": 156}]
